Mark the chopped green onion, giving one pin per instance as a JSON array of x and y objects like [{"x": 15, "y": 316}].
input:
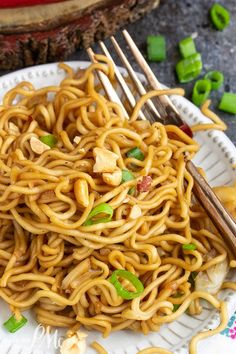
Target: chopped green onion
[
  {"x": 132, "y": 191},
  {"x": 128, "y": 176},
  {"x": 187, "y": 47},
  {"x": 156, "y": 48},
  {"x": 216, "y": 78},
  {"x": 177, "y": 295},
  {"x": 12, "y": 325},
  {"x": 220, "y": 16},
  {"x": 201, "y": 91},
  {"x": 175, "y": 308},
  {"x": 191, "y": 278},
  {"x": 136, "y": 153},
  {"x": 189, "y": 68},
  {"x": 125, "y": 294},
  {"x": 49, "y": 140},
  {"x": 189, "y": 247},
  {"x": 228, "y": 103},
  {"x": 100, "y": 209}
]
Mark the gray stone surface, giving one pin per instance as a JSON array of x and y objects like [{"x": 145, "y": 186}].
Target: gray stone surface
[{"x": 177, "y": 19}]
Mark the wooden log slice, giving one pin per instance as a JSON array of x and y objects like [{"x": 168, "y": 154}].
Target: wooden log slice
[
  {"x": 18, "y": 3},
  {"x": 46, "y": 33}
]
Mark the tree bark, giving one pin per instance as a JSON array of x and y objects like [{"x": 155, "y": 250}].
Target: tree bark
[{"x": 40, "y": 34}]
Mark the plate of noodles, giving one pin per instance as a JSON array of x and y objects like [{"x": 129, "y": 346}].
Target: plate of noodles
[{"x": 103, "y": 247}]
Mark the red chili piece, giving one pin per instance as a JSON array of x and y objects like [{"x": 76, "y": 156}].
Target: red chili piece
[
  {"x": 145, "y": 184},
  {"x": 187, "y": 130}
]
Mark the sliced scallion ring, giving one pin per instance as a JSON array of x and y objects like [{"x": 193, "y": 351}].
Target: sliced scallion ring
[
  {"x": 187, "y": 47},
  {"x": 132, "y": 191},
  {"x": 12, "y": 325},
  {"x": 136, "y": 153},
  {"x": 189, "y": 247},
  {"x": 189, "y": 68},
  {"x": 216, "y": 78},
  {"x": 220, "y": 16},
  {"x": 125, "y": 274},
  {"x": 128, "y": 176},
  {"x": 49, "y": 140},
  {"x": 201, "y": 91},
  {"x": 156, "y": 48},
  {"x": 101, "y": 213},
  {"x": 191, "y": 278},
  {"x": 228, "y": 103},
  {"x": 176, "y": 306},
  {"x": 177, "y": 295}
]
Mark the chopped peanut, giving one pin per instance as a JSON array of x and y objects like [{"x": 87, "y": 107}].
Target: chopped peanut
[
  {"x": 13, "y": 129},
  {"x": 75, "y": 344},
  {"x": 77, "y": 139},
  {"x": 38, "y": 146},
  {"x": 135, "y": 212},
  {"x": 113, "y": 179},
  {"x": 105, "y": 160},
  {"x": 81, "y": 192}
]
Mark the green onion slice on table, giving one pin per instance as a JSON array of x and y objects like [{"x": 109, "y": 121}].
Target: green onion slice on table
[
  {"x": 216, "y": 78},
  {"x": 101, "y": 213},
  {"x": 189, "y": 247},
  {"x": 201, "y": 91},
  {"x": 156, "y": 48},
  {"x": 187, "y": 47},
  {"x": 228, "y": 103},
  {"x": 125, "y": 274},
  {"x": 136, "y": 153},
  {"x": 12, "y": 325},
  {"x": 189, "y": 68},
  {"x": 220, "y": 16},
  {"x": 49, "y": 140}
]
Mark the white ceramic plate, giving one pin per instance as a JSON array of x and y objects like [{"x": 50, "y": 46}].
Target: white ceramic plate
[{"x": 216, "y": 156}]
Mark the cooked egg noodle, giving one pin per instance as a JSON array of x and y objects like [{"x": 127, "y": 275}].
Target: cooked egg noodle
[{"x": 49, "y": 260}]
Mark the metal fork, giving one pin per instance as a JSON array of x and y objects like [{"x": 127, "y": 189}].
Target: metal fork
[{"x": 161, "y": 109}]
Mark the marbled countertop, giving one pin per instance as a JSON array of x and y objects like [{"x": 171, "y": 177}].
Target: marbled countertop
[{"x": 177, "y": 19}]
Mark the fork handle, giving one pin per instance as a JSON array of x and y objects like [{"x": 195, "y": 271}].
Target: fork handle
[{"x": 212, "y": 205}]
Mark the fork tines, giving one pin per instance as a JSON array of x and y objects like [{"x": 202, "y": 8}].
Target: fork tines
[
  {"x": 108, "y": 88},
  {"x": 149, "y": 112},
  {"x": 162, "y": 109}
]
